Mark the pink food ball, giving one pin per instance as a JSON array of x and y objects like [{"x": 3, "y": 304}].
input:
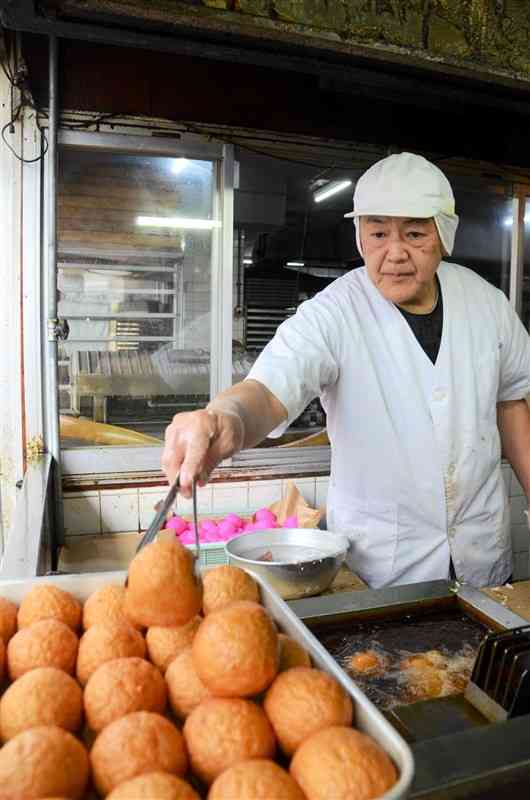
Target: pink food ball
[
  {"x": 265, "y": 513},
  {"x": 227, "y": 528},
  {"x": 291, "y": 522},
  {"x": 187, "y": 537},
  {"x": 209, "y": 526},
  {"x": 178, "y": 524},
  {"x": 235, "y": 520}
]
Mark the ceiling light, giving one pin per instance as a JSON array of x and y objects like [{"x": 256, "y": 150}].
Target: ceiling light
[
  {"x": 508, "y": 221},
  {"x": 179, "y": 222},
  {"x": 331, "y": 188},
  {"x": 178, "y": 164},
  {"x": 295, "y": 264},
  {"x": 247, "y": 261}
]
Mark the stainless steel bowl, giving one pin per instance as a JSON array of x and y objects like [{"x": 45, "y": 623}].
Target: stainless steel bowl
[{"x": 304, "y": 561}]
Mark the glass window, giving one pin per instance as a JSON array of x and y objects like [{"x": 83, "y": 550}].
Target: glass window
[
  {"x": 483, "y": 239},
  {"x": 287, "y": 247},
  {"x": 135, "y": 243}
]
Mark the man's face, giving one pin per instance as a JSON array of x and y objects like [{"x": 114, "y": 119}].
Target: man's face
[{"x": 401, "y": 256}]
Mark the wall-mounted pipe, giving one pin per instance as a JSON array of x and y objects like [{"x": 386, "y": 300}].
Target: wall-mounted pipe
[{"x": 52, "y": 435}]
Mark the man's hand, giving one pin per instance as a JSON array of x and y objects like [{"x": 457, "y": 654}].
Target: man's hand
[{"x": 196, "y": 442}]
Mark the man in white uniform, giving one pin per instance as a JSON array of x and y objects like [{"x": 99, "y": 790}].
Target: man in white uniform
[{"x": 423, "y": 368}]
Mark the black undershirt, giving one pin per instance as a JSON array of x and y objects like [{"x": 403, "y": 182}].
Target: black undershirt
[{"x": 427, "y": 328}]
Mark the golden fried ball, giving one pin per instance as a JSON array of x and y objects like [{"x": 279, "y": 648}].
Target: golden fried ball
[
  {"x": 154, "y": 786},
  {"x": 46, "y": 601},
  {"x": 186, "y": 690},
  {"x": 106, "y": 605},
  {"x": 3, "y": 658},
  {"x": 420, "y": 662},
  {"x": 226, "y": 584},
  {"x": 258, "y": 779},
  {"x": 301, "y": 702},
  {"x": 292, "y": 654},
  {"x": 43, "y": 762},
  {"x": 223, "y": 731},
  {"x": 8, "y": 619},
  {"x": 120, "y": 687},
  {"x": 105, "y": 642},
  {"x": 365, "y": 662},
  {"x": 166, "y": 643},
  {"x": 47, "y": 643},
  {"x": 134, "y": 745},
  {"x": 43, "y": 696},
  {"x": 342, "y": 762},
  {"x": 162, "y": 588},
  {"x": 236, "y": 650}
]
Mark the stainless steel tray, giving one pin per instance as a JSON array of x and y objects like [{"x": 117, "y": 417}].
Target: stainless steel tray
[{"x": 367, "y": 717}]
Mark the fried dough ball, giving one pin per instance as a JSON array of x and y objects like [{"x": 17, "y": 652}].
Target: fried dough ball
[
  {"x": 134, "y": 745},
  {"x": 8, "y": 619},
  {"x": 292, "y": 654},
  {"x": 186, "y": 690},
  {"x": 226, "y": 584},
  {"x": 365, "y": 662},
  {"x": 303, "y": 701},
  {"x": 165, "y": 644},
  {"x": 258, "y": 779},
  {"x": 424, "y": 679},
  {"x": 120, "y": 687},
  {"x": 48, "y": 643},
  {"x": 436, "y": 658},
  {"x": 223, "y": 731},
  {"x": 236, "y": 650},
  {"x": 49, "y": 602},
  {"x": 43, "y": 696},
  {"x": 162, "y": 588},
  {"x": 342, "y": 763},
  {"x": 43, "y": 762},
  {"x": 154, "y": 786},
  {"x": 416, "y": 662},
  {"x": 105, "y": 642},
  {"x": 3, "y": 656},
  {"x": 106, "y": 605}
]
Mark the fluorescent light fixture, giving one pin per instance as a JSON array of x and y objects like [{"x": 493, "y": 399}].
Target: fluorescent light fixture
[
  {"x": 331, "y": 188},
  {"x": 179, "y": 222},
  {"x": 508, "y": 221},
  {"x": 247, "y": 261},
  {"x": 178, "y": 164},
  {"x": 295, "y": 264}
]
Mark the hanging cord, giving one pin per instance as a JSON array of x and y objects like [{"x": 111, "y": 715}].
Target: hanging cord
[{"x": 17, "y": 75}]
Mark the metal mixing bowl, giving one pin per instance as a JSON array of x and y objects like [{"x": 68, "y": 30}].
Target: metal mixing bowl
[{"x": 304, "y": 560}]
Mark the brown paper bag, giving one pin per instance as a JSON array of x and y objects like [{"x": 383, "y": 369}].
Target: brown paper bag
[{"x": 294, "y": 504}]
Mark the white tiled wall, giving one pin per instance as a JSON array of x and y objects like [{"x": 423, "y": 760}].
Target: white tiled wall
[
  {"x": 115, "y": 511},
  {"x": 82, "y": 513},
  {"x": 125, "y": 510}
]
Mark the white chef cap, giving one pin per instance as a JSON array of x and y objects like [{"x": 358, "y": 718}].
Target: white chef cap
[{"x": 406, "y": 185}]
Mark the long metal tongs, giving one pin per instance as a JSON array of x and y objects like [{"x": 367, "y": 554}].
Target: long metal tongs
[{"x": 161, "y": 513}]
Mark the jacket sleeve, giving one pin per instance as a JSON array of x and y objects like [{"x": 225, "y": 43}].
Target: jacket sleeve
[
  {"x": 514, "y": 381},
  {"x": 301, "y": 360}
]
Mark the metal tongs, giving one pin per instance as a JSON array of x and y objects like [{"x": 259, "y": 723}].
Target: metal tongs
[{"x": 162, "y": 510}]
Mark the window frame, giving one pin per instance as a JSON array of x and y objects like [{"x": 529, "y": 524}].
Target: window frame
[{"x": 94, "y": 460}]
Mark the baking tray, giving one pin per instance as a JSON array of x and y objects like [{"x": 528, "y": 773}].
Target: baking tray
[{"x": 366, "y": 716}]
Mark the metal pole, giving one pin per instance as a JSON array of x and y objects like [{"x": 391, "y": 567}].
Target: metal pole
[{"x": 53, "y": 444}]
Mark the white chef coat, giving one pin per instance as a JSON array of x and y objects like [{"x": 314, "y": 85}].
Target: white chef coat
[{"x": 416, "y": 459}]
